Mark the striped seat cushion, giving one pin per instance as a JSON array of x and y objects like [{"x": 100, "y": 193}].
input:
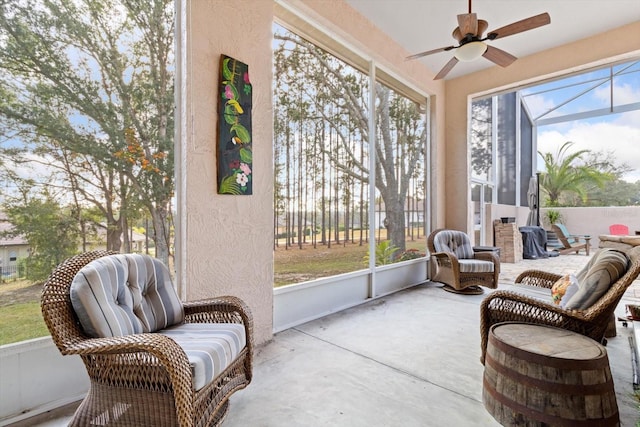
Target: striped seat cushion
[
  {"x": 475, "y": 266},
  {"x": 210, "y": 347},
  {"x": 125, "y": 294}
]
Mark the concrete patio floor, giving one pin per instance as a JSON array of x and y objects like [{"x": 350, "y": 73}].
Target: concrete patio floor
[{"x": 408, "y": 359}]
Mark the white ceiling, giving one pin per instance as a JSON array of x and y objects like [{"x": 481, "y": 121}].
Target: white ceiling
[{"x": 420, "y": 25}]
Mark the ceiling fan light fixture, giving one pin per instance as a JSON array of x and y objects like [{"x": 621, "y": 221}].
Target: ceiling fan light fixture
[{"x": 470, "y": 51}]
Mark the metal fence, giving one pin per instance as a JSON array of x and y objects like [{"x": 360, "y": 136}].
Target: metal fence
[{"x": 9, "y": 273}]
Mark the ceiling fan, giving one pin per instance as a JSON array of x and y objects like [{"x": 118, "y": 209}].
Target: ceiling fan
[{"x": 472, "y": 45}]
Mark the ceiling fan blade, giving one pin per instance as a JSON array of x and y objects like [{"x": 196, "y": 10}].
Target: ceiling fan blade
[
  {"x": 457, "y": 34},
  {"x": 468, "y": 24},
  {"x": 428, "y": 52},
  {"x": 445, "y": 70},
  {"x": 499, "y": 56},
  {"x": 520, "y": 26},
  {"x": 482, "y": 27}
]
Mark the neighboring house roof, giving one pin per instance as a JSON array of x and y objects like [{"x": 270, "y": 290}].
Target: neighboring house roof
[
  {"x": 9, "y": 241},
  {"x": 138, "y": 237}
]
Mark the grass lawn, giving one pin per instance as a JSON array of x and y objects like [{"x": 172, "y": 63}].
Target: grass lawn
[
  {"x": 295, "y": 265},
  {"x": 20, "y": 316},
  {"x": 22, "y": 321}
]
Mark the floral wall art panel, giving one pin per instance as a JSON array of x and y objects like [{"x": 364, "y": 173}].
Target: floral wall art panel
[{"x": 235, "y": 174}]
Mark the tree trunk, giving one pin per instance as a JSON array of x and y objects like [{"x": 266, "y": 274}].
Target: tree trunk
[
  {"x": 114, "y": 233},
  {"x": 396, "y": 229},
  {"x": 160, "y": 218}
]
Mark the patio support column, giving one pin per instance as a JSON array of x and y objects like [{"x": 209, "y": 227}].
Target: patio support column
[{"x": 372, "y": 179}]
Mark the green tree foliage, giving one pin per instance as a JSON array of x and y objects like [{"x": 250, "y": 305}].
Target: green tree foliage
[
  {"x": 87, "y": 86},
  {"x": 615, "y": 192},
  {"x": 481, "y": 144},
  {"x": 568, "y": 175},
  {"x": 50, "y": 230}
]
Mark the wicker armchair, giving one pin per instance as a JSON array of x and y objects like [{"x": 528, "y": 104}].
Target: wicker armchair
[
  {"x": 146, "y": 379},
  {"x": 455, "y": 263},
  {"x": 508, "y": 306}
]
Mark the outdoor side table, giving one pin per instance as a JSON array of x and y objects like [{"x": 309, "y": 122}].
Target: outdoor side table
[
  {"x": 539, "y": 375},
  {"x": 587, "y": 240}
]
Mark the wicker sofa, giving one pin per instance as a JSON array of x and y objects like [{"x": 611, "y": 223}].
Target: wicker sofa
[
  {"x": 591, "y": 315},
  {"x": 151, "y": 359}
]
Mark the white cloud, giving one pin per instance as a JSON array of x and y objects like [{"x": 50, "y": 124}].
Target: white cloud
[
  {"x": 620, "y": 136},
  {"x": 538, "y": 104},
  {"x": 622, "y": 94}
]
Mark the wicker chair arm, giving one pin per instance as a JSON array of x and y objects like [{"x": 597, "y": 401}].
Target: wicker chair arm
[
  {"x": 224, "y": 309},
  {"x": 506, "y": 306},
  {"x": 168, "y": 354},
  {"x": 541, "y": 279},
  {"x": 579, "y": 236},
  {"x": 133, "y": 343},
  {"x": 520, "y": 305},
  {"x": 487, "y": 256},
  {"x": 446, "y": 259}
]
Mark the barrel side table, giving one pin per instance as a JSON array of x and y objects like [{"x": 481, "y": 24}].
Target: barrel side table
[{"x": 539, "y": 375}]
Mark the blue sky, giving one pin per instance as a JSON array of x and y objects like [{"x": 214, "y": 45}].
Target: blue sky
[{"x": 615, "y": 133}]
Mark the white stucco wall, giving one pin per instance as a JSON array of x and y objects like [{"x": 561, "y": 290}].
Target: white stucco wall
[{"x": 225, "y": 241}]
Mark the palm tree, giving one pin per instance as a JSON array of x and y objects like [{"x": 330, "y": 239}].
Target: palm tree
[{"x": 567, "y": 173}]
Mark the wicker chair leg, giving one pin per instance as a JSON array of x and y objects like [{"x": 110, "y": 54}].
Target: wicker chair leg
[
  {"x": 611, "y": 327},
  {"x": 221, "y": 414}
]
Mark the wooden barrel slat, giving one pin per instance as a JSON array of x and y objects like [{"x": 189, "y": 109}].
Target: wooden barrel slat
[{"x": 538, "y": 375}]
